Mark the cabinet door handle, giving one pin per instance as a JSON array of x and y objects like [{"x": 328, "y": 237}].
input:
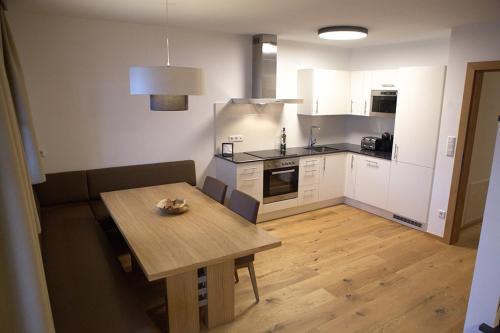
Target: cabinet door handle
[
  {"x": 396, "y": 150},
  {"x": 351, "y": 105},
  {"x": 317, "y": 105},
  {"x": 249, "y": 170},
  {"x": 372, "y": 163},
  {"x": 324, "y": 164},
  {"x": 352, "y": 162},
  {"x": 249, "y": 179},
  {"x": 365, "y": 108}
]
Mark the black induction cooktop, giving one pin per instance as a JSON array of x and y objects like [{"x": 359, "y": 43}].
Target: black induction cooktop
[{"x": 272, "y": 154}]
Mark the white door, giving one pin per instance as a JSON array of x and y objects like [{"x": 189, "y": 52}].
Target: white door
[
  {"x": 331, "y": 92},
  {"x": 372, "y": 181},
  {"x": 360, "y": 93},
  {"x": 410, "y": 191},
  {"x": 418, "y": 113},
  {"x": 332, "y": 181},
  {"x": 350, "y": 175}
]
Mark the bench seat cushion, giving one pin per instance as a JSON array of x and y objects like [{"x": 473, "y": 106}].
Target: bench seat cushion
[
  {"x": 133, "y": 176},
  {"x": 61, "y": 188},
  {"x": 87, "y": 289}
]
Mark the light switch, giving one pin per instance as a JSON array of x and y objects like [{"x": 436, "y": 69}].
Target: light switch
[{"x": 450, "y": 146}]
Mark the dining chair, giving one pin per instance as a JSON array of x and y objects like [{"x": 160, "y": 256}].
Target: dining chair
[
  {"x": 215, "y": 189},
  {"x": 247, "y": 207}
]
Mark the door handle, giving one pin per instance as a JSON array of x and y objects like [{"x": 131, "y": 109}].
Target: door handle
[
  {"x": 317, "y": 105},
  {"x": 352, "y": 162},
  {"x": 396, "y": 150},
  {"x": 372, "y": 163},
  {"x": 351, "y": 105},
  {"x": 281, "y": 172},
  {"x": 324, "y": 164},
  {"x": 365, "y": 107}
]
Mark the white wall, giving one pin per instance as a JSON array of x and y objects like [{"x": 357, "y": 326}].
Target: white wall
[
  {"x": 77, "y": 77},
  {"x": 478, "y": 42},
  {"x": 484, "y": 145},
  {"x": 423, "y": 53},
  {"x": 261, "y": 126},
  {"x": 485, "y": 291}
]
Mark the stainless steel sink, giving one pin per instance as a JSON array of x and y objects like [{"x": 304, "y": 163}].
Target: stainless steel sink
[{"x": 321, "y": 149}]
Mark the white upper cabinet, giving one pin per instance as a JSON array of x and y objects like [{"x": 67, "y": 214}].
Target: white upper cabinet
[
  {"x": 386, "y": 79},
  {"x": 418, "y": 111},
  {"x": 325, "y": 92},
  {"x": 332, "y": 180},
  {"x": 360, "y": 93}
]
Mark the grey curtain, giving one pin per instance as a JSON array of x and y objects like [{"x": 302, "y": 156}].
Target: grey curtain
[
  {"x": 21, "y": 104},
  {"x": 24, "y": 305}
]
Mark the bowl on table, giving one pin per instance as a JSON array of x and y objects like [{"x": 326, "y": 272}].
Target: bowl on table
[{"x": 172, "y": 206}]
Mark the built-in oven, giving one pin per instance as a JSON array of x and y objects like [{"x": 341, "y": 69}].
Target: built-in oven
[
  {"x": 384, "y": 102},
  {"x": 281, "y": 179}
]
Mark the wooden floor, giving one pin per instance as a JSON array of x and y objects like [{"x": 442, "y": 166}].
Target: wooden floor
[{"x": 341, "y": 269}]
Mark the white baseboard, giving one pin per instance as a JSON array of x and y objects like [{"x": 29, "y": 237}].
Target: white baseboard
[
  {"x": 381, "y": 212},
  {"x": 298, "y": 209}
]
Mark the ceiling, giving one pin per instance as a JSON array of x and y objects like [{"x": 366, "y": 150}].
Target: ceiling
[{"x": 389, "y": 21}]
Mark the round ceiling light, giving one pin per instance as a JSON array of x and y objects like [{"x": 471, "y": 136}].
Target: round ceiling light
[{"x": 342, "y": 32}]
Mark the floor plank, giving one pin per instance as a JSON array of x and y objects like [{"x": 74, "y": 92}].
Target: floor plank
[{"x": 341, "y": 269}]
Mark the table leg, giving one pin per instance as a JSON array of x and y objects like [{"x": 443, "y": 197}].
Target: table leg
[
  {"x": 182, "y": 298},
  {"x": 220, "y": 293}
]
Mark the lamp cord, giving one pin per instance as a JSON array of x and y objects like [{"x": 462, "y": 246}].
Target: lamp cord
[{"x": 166, "y": 28}]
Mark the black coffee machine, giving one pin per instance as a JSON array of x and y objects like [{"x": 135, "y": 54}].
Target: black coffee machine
[{"x": 386, "y": 142}]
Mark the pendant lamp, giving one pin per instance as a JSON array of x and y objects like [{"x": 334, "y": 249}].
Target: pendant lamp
[{"x": 168, "y": 86}]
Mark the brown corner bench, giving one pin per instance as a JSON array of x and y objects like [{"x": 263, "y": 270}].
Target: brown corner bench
[{"x": 88, "y": 290}]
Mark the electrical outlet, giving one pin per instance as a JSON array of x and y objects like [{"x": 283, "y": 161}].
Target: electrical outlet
[
  {"x": 442, "y": 214},
  {"x": 236, "y": 138}
]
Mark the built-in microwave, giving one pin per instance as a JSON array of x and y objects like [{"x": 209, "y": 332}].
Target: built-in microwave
[{"x": 384, "y": 102}]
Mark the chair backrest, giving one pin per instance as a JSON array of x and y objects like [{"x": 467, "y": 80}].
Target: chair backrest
[
  {"x": 244, "y": 205},
  {"x": 215, "y": 189}
]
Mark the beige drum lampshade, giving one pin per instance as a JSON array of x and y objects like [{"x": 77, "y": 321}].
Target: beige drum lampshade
[{"x": 167, "y": 86}]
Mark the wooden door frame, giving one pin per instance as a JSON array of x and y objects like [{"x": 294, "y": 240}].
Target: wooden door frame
[{"x": 465, "y": 144}]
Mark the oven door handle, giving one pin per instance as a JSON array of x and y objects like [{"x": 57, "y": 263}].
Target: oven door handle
[{"x": 284, "y": 171}]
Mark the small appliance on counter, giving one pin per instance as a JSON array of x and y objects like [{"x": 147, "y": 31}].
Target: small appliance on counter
[{"x": 379, "y": 144}]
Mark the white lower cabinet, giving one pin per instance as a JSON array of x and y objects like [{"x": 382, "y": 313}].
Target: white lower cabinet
[
  {"x": 332, "y": 176},
  {"x": 308, "y": 194},
  {"x": 245, "y": 177},
  {"x": 372, "y": 181},
  {"x": 410, "y": 191},
  {"x": 350, "y": 175}
]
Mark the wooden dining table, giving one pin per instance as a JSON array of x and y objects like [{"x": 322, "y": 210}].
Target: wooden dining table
[{"x": 209, "y": 236}]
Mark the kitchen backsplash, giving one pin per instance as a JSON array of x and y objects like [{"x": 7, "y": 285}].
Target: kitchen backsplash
[{"x": 261, "y": 126}]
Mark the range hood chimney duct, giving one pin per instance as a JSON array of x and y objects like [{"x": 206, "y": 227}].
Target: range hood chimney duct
[{"x": 264, "y": 67}]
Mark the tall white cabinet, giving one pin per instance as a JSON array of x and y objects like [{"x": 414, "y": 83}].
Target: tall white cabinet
[
  {"x": 418, "y": 113},
  {"x": 325, "y": 92}
]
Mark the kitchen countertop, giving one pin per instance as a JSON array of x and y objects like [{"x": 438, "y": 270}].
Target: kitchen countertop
[{"x": 301, "y": 151}]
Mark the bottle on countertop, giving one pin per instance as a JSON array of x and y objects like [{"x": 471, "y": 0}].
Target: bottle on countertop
[{"x": 283, "y": 141}]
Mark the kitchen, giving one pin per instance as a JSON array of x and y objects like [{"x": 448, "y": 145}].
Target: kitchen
[
  {"x": 370, "y": 174},
  {"x": 307, "y": 184}
]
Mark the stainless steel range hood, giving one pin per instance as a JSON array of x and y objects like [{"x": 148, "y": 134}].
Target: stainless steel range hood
[{"x": 264, "y": 60}]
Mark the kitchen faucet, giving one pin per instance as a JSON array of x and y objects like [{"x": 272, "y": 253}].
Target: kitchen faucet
[{"x": 312, "y": 140}]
